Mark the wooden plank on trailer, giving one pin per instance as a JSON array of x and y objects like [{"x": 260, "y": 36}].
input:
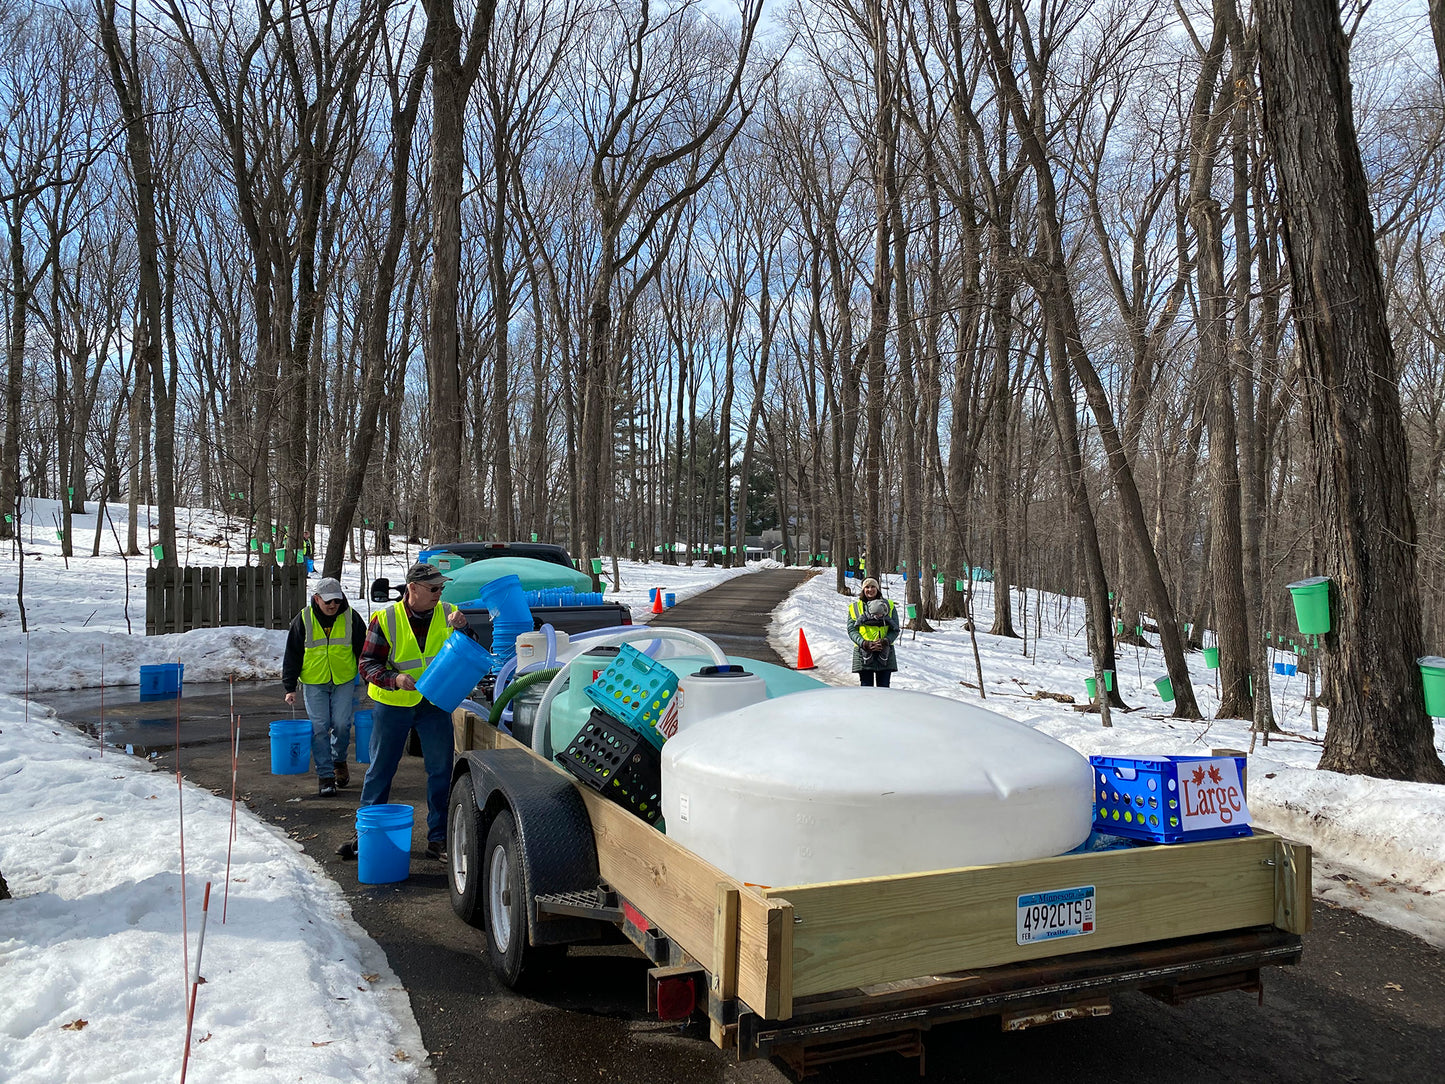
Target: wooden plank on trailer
[
  {"x": 857, "y": 933},
  {"x": 724, "y": 972},
  {"x": 778, "y": 1000},
  {"x": 673, "y": 887},
  {"x": 1293, "y": 887}
]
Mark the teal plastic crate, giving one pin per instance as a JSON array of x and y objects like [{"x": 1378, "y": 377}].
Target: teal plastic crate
[{"x": 635, "y": 690}]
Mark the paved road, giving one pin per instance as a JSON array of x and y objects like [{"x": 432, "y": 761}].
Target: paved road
[{"x": 1367, "y": 1004}]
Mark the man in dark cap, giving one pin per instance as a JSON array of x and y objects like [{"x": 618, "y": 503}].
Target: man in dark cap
[
  {"x": 401, "y": 642},
  {"x": 322, "y": 649}
]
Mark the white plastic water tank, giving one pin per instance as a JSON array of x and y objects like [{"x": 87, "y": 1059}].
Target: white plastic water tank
[
  {"x": 834, "y": 784},
  {"x": 532, "y": 646},
  {"x": 713, "y": 690}
]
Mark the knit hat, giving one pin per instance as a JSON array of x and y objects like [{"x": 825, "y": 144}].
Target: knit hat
[{"x": 871, "y": 582}]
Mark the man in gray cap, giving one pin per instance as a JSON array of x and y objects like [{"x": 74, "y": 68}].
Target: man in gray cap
[
  {"x": 322, "y": 650},
  {"x": 401, "y": 642}
]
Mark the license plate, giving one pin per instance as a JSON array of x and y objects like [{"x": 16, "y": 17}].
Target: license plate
[{"x": 1064, "y": 912}]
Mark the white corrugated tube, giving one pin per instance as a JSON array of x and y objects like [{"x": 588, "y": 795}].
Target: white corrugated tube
[{"x": 542, "y": 731}]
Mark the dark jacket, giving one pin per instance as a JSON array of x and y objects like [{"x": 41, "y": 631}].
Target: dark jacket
[
  {"x": 296, "y": 641},
  {"x": 875, "y": 660}
]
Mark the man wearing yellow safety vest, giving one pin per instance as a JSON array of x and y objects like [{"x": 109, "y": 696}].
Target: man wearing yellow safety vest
[
  {"x": 401, "y": 641},
  {"x": 873, "y": 627},
  {"x": 321, "y": 652}
]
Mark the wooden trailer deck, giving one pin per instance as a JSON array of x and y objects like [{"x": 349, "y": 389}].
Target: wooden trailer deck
[{"x": 782, "y": 962}]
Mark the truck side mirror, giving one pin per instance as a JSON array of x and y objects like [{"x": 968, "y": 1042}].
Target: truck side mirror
[{"x": 382, "y": 591}]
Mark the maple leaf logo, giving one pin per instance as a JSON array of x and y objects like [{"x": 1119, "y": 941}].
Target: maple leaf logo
[
  {"x": 1198, "y": 776},
  {"x": 1214, "y": 774}
]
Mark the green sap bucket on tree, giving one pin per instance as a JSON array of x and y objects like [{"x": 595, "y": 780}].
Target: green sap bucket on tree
[
  {"x": 1312, "y": 604},
  {"x": 1432, "y": 671},
  {"x": 1109, "y": 680},
  {"x": 1165, "y": 687},
  {"x": 1211, "y": 657},
  {"x": 1091, "y": 686}
]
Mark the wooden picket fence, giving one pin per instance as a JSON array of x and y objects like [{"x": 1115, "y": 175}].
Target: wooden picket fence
[{"x": 261, "y": 596}]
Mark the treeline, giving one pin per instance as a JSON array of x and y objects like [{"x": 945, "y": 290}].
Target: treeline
[{"x": 956, "y": 283}]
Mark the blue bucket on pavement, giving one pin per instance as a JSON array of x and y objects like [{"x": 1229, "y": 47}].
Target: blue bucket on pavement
[
  {"x": 161, "y": 682},
  {"x": 383, "y": 843},
  {"x": 361, "y": 725},
  {"x": 669, "y": 599},
  {"x": 290, "y": 746},
  {"x": 454, "y": 673}
]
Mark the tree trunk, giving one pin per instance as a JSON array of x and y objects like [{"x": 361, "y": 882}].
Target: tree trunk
[{"x": 1377, "y": 721}]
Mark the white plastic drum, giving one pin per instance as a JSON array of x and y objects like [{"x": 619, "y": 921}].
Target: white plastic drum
[
  {"x": 711, "y": 691},
  {"x": 835, "y": 784}
]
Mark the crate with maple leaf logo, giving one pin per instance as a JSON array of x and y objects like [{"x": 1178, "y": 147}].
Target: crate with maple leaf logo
[{"x": 1170, "y": 799}]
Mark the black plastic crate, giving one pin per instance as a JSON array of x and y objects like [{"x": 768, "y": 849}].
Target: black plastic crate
[{"x": 618, "y": 763}]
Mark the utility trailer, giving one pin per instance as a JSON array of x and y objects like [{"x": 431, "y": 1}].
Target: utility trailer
[{"x": 819, "y": 973}]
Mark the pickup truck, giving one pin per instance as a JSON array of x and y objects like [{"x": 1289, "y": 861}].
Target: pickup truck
[
  {"x": 568, "y": 619},
  {"x": 817, "y": 973}
]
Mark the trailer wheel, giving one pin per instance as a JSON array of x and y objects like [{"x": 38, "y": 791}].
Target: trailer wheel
[
  {"x": 504, "y": 891},
  {"x": 464, "y": 853}
]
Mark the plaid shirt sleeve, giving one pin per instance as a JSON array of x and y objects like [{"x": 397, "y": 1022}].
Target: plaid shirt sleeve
[{"x": 375, "y": 661}]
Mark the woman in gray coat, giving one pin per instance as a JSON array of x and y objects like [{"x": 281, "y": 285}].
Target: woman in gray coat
[{"x": 873, "y": 627}]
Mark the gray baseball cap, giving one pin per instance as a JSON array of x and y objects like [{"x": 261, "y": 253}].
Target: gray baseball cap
[
  {"x": 421, "y": 572},
  {"x": 329, "y": 589}
]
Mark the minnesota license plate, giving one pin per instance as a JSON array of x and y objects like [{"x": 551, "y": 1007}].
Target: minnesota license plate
[{"x": 1064, "y": 912}]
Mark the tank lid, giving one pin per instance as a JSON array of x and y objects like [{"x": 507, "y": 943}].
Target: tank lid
[
  {"x": 607, "y": 650},
  {"x": 727, "y": 670}
]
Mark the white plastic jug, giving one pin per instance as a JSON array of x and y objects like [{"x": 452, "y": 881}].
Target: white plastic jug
[
  {"x": 532, "y": 647},
  {"x": 835, "y": 784},
  {"x": 713, "y": 690}
]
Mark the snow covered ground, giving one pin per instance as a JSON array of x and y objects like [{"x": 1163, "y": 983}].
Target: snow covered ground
[
  {"x": 1379, "y": 845},
  {"x": 91, "y": 948}
]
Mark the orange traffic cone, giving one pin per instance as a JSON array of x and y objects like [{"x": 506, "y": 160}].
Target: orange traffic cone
[
  {"x": 805, "y": 657},
  {"x": 657, "y": 600}
]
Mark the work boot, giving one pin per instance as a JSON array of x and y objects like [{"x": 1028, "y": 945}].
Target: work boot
[
  {"x": 348, "y": 849},
  {"x": 343, "y": 773},
  {"x": 436, "y": 849},
  {"x": 327, "y": 787}
]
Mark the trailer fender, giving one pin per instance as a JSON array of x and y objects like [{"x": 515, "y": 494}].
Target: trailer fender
[{"x": 559, "y": 851}]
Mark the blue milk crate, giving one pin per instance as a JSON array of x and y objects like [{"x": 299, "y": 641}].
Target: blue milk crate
[
  {"x": 1139, "y": 798},
  {"x": 635, "y": 690}
]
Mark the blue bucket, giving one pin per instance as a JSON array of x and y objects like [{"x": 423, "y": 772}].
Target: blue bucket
[
  {"x": 669, "y": 599},
  {"x": 290, "y": 746},
  {"x": 383, "y": 843},
  {"x": 162, "y": 682},
  {"x": 504, "y": 638},
  {"x": 361, "y": 724},
  {"x": 506, "y": 601},
  {"x": 454, "y": 673}
]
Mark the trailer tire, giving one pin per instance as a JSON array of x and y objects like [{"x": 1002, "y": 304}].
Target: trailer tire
[
  {"x": 503, "y": 886},
  {"x": 465, "y": 877}
]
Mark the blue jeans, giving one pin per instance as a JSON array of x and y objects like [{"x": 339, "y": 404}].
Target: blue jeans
[
  {"x": 329, "y": 708},
  {"x": 390, "y": 726}
]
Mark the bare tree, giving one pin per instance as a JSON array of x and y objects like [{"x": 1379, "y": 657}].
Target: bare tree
[
  {"x": 1378, "y": 724},
  {"x": 660, "y": 102}
]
